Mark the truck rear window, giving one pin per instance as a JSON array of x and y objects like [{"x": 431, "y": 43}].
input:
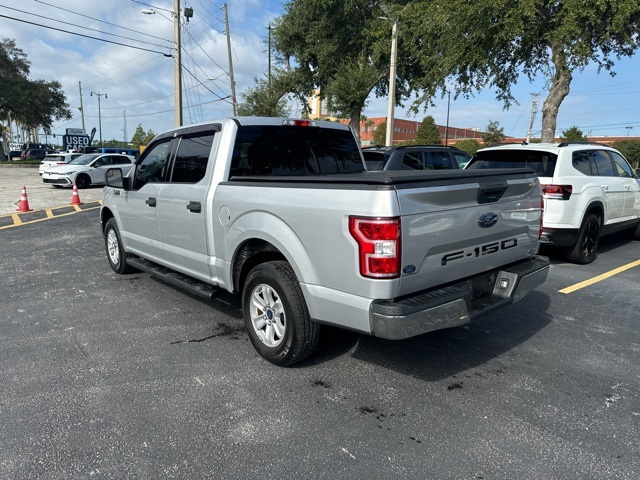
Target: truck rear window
[
  {"x": 543, "y": 163},
  {"x": 285, "y": 151}
]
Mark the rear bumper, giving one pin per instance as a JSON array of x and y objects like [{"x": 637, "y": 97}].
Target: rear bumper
[
  {"x": 560, "y": 237},
  {"x": 456, "y": 304}
]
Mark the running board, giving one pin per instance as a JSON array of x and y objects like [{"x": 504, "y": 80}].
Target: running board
[{"x": 196, "y": 287}]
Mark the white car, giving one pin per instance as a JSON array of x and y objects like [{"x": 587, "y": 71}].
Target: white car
[
  {"x": 55, "y": 159},
  {"x": 88, "y": 169},
  {"x": 589, "y": 190}
]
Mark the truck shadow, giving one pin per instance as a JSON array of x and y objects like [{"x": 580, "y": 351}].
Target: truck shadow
[{"x": 444, "y": 353}]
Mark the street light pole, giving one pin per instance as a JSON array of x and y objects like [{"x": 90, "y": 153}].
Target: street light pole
[
  {"x": 231, "y": 79},
  {"x": 99, "y": 112},
  {"x": 178, "y": 64},
  {"x": 392, "y": 83}
]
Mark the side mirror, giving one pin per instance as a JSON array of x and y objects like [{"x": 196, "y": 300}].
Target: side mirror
[{"x": 116, "y": 179}]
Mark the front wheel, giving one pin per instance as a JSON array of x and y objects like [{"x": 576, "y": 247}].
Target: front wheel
[
  {"x": 83, "y": 181},
  {"x": 586, "y": 250},
  {"x": 115, "y": 252},
  {"x": 276, "y": 315}
]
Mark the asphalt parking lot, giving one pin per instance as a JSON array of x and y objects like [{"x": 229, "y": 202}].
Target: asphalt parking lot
[
  {"x": 39, "y": 195},
  {"x": 109, "y": 376}
]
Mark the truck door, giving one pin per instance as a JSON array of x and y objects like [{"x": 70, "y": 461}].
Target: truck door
[
  {"x": 140, "y": 205},
  {"x": 183, "y": 210}
]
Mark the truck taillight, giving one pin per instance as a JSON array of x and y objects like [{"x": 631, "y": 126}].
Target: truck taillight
[
  {"x": 559, "y": 192},
  {"x": 378, "y": 245}
]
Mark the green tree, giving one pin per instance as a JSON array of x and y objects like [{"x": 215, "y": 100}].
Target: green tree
[
  {"x": 573, "y": 134},
  {"x": 491, "y": 44},
  {"x": 630, "y": 149},
  {"x": 264, "y": 99},
  {"x": 380, "y": 134},
  {"x": 428, "y": 133},
  {"x": 138, "y": 136},
  {"x": 31, "y": 103},
  {"x": 469, "y": 145},
  {"x": 341, "y": 47},
  {"x": 492, "y": 134}
]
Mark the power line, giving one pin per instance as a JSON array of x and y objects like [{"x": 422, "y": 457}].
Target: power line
[
  {"x": 102, "y": 21},
  {"x": 86, "y": 28},
  {"x": 86, "y": 36}
]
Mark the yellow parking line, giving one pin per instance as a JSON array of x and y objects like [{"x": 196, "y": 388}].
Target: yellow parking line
[
  {"x": 599, "y": 278},
  {"x": 16, "y": 219}
]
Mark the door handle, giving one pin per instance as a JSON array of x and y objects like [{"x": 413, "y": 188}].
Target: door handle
[
  {"x": 150, "y": 201},
  {"x": 195, "y": 207},
  {"x": 605, "y": 187},
  {"x": 627, "y": 187}
]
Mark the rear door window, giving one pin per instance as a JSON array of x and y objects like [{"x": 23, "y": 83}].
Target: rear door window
[
  {"x": 603, "y": 163},
  {"x": 439, "y": 161},
  {"x": 192, "y": 157}
]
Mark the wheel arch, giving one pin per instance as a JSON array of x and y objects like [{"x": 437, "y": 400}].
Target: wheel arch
[
  {"x": 596, "y": 208},
  {"x": 257, "y": 238}
]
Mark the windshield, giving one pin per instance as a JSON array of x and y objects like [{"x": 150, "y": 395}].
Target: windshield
[
  {"x": 84, "y": 159},
  {"x": 543, "y": 163}
]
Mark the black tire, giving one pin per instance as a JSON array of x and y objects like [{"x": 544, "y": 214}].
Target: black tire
[
  {"x": 115, "y": 252},
  {"x": 586, "y": 250},
  {"x": 83, "y": 181},
  {"x": 276, "y": 315}
]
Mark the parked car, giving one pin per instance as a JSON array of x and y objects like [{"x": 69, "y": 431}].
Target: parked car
[
  {"x": 54, "y": 159},
  {"x": 35, "y": 153},
  {"x": 415, "y": 157},
  {"x": 88, "y": 169},
  {"x": 589, "y": 190},
  {"x": 15, "y": 154}
]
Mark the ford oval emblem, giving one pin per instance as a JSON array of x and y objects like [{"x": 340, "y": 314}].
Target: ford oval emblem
[{"x": 488, "y": 220}]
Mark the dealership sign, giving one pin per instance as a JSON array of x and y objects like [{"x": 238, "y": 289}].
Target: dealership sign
[{"x": 75, "y": 139}]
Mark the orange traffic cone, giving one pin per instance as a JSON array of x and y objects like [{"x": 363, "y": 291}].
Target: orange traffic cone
[
  {"x": 24, "y": 201},
  {"x": 75, "y": 199}
]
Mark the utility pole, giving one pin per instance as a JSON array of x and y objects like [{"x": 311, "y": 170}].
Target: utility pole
[
  {"x": 532, "y": 114},
  {"x": 392, "y": 83},
  {"x": 177, "y": 57},
  {"x": 269, "y": 71},
  {"x": 233, "y": 82},
  {"x": 446, "y": 130},
  {"x": 99, "y": 112},
  {"x": 81, "y": 109},
  {"x": 124, "y": 134}
]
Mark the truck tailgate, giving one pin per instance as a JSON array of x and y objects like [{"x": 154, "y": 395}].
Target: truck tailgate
[{"x": 459, "y": 225}]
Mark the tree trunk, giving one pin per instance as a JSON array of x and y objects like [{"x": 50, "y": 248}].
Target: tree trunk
[
  {"x": 560, "y": 84},
  {"x": 354, "y": 122}
]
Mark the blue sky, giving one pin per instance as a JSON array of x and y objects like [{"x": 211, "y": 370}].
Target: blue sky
[{"x": 139, "y": 83}]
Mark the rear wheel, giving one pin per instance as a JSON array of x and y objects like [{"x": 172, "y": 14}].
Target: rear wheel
[
  {"x": 115, "y": 252},
  {"x": 586, "y": 250},
  {"x": 276, "y": 315},
  {"x": 83, "y": 181}
]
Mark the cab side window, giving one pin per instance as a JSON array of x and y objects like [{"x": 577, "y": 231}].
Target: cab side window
[
  {"x": 192, "y": 157},
  {"x": 151, "y": 167}
]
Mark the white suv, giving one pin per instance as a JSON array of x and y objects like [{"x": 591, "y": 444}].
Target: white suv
[{"x": 589, "y": 190}]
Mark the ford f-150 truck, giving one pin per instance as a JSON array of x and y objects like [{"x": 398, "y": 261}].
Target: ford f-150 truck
[{"x": 284, "y": 213}]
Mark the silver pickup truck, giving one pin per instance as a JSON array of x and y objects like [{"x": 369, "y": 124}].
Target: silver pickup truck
[{"x": 283, "y": 212}]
